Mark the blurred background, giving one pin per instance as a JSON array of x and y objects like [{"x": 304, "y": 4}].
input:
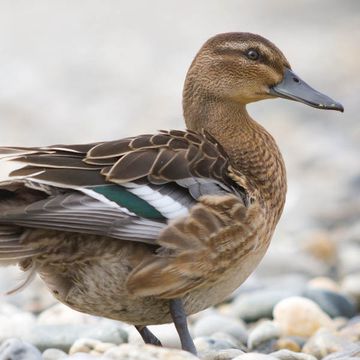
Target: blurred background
[{"x": 83, "y": 71}]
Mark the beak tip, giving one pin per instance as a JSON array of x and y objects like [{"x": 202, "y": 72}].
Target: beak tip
[
  {"x": 337, "y": 107},
  {"x": 332, "y": 106}
]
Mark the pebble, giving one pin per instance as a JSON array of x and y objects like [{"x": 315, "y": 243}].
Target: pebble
[
  {"x": 324, "y": 283},
  {"x": 258, "y": 304},
  {"x": 91, "y": 346},
  {"x": 209, "y": 324},
  {"x": 15, "y": 349},
  {"x": 264, "y": 331},
  {"x": 54, "y": 354},
  {"x": 298, "y": 316},
  {"x": 288, "y": 343},
  {"x": 226, "y": 354},
  {"x": 146, "y": 352},
  {"x": 254, "y": 356},
  {"x": 325, "y": 342},
  {"x": 292, "y": 355},
  {"x": 351, "y": 286},
  {"x": 333, "y": 303},
  {"x": 63, "y": 336},
  {"x": 218, "y": 341}
]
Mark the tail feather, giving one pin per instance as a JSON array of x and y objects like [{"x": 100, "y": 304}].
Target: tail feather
[
  {"x": 8, "y": 257},
  {"x": 12, "y": 249},
  {"x": 12, "y": 252}
]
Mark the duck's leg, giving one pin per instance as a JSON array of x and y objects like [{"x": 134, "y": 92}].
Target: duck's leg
[
  {"x": 179, "y": 317},
  {"x": 148, "y": 336}
]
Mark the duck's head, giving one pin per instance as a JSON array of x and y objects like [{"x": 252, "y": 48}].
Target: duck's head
[{"x": 243, "y": 68}]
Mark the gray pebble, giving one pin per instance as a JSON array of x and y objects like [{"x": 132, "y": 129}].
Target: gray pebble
[
  {"x": 259, "y": 304},
  {"x": 63, "y": 336},
  {"x": 263, "y": 332},
  {"x": 334, "y": 304},
  {"x": 204, "y": 344},
  {"x": 266, "y": 347},
  {"x": 15, "y": 349},
  {"x": 209, "y": 324}
]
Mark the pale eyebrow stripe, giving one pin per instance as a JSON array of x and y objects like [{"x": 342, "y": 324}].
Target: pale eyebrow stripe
[
  {"x": 231, "y": 45},
  {"x": 237, "y": 46}
]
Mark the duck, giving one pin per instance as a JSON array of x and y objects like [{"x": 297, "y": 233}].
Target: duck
[{"x": 151, "y": 228}]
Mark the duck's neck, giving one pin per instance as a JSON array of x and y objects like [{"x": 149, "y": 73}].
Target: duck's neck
[{"x": 251, "y": 149}]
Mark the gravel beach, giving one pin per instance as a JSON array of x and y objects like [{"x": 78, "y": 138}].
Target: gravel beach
[{"x": 76, "y": 72}]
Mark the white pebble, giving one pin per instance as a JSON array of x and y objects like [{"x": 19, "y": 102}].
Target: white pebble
[{"x": 53, "y": 354}]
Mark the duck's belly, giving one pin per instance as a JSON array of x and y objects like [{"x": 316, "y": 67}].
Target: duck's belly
[{"x": 97, "y": 287}]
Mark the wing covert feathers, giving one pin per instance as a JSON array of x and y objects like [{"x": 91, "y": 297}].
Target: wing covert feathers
[
  {"x": 164, "y": 157},
  {"x": 169, "y": 156}
]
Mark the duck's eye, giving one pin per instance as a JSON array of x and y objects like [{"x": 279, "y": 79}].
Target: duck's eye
[{"x": 252, "y": 54}]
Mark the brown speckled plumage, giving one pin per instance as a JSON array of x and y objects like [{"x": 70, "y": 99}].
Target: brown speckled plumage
[{"x": 225, "y": 175}]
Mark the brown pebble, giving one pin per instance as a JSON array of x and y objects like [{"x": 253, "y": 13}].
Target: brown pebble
[{"x": 287, "y": 343}]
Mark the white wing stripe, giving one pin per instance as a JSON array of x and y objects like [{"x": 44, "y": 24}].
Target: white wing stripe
[{"x": 165, "y": 204}]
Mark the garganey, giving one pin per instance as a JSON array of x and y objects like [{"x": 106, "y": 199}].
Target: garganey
[{"x": 152, "y": 228}]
